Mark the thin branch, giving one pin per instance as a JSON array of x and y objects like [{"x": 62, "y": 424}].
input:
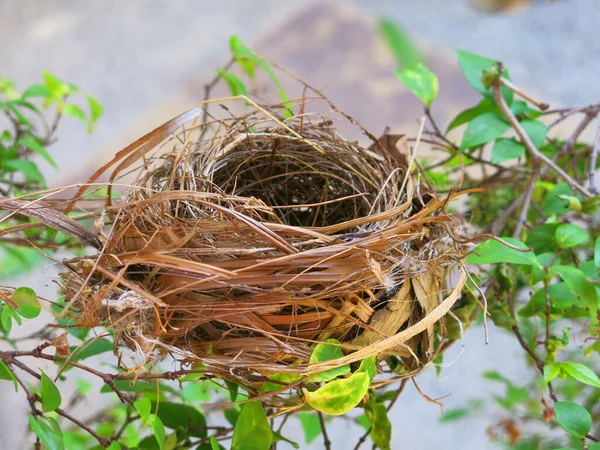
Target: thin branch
[
  {"x": 530, "y": 146},
  {"x": 326, "y": 441},
  {"x": 593, "y": 162}
]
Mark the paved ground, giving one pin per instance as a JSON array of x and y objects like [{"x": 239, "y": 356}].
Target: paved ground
[{"x": 147, "y": 60}]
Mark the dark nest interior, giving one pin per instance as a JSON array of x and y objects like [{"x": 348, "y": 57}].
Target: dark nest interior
[{"x": 244, "y": 241}]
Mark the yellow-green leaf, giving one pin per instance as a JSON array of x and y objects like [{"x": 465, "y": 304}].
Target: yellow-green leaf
[
  {"x": 327, "y": 351},
  {"x": 339, "y": 396},
  {"x": 420, "y": 80}
]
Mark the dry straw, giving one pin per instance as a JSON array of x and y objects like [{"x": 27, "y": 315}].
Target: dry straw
[{"x": 246, "y": 240}]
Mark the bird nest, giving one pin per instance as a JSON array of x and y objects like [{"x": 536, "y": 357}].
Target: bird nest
[{"x": 245, "y": 241}]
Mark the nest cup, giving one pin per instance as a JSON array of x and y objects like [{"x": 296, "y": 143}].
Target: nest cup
[{"x": 245, "y": 241}]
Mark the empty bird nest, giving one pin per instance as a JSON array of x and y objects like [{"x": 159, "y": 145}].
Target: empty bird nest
[{"x": 245, "y": 241}]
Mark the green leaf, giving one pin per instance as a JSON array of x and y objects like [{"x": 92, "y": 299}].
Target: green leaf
[
  {"x": 93, "y": 347},
  {"x": 483, "y": 129},
  {"x": 340, "y": 396},
  {"x": 50, "y": 438},
  {"x": 279, "y": 437},
  {"x": 178, "y": 415},
  {"x": 74, "y": 111},
  {"x": 536, "y": 130},
  {"x": 581, "y": 286},
  {"x": 597, "y": 254},
  {"x": 551, "y": 371},
  {"x": 214, "y": 445},
  {"x": 573, "y": 203},
  {"x": 576, "y": 371},
  {"x": 381, "y": 427},
  {"x": 485, "y": 106},
  {"x": 454, "y": 414},
  {"x": 28, "y": 168},
  {"x": 51, "y": 398},
  {"x": 37, "y": 147},
  {"x": 158, "y": 430},
  {"x": 327, "y": 351},
  {"x": 6, "y": 374},
  {"x": 542, "y": 239},
  {"x": 114, "y": 445},
  {"x": 403, "y": 49},
  {"x": 143, "y": 406},
  {"x": 236, "y": 86},
  {"x": 36, "y": 90},
  {"x": 590, "y": 205},
  {"x": 494, "y": 252},
  {"x": 506, "y": 149},
  {"x": 233, "y": 389},
  {"x": 311, "y": 425},
  {"x": 569, "y": 235},
  {"x": 473, "y": 66},
  {"x": 55, "y": 86},
  {"x": 420, "y": 80},
  {"x": 252, "y": 430},
  {"x": 231, "y": 415},
  {"x": 552, "y": 203},
  {"x": 96, "y": 109},
  {"x": 247, "y": 60},
  {"x": 573, "y": 418},
  {"x": 27, "y": 302}
]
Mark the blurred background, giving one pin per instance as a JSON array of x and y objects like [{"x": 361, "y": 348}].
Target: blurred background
[{"x": 149, "y": 60}]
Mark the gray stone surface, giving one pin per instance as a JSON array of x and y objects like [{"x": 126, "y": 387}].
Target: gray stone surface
[{"x": 136, "y": 55}]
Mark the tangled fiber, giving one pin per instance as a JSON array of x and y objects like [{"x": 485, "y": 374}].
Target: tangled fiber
[{"x": 245, "y": 241}]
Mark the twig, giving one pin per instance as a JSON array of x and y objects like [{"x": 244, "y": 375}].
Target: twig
[
  {"x": 593, "y": 161},
  {"x": 529, "y": 145},
  {"x": 540, "y": 105},
  {"x": 326, "y": 441},
  {"x": 527, "y": 200}
]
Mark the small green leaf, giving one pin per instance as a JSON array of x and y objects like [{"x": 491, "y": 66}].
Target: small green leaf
[
  {"x": 597, "y": 254},
  {"x": 339, "y": 396},
  {"x": 542, "y": 239},
  {"x": 536, "y": 130},
  {"x": 494, "y": 252},
  {"x": 506, "y": 149},
  {"x": 158, "y": 430},
  {"x": 236, "y": 86},
  {"x": 590, "y": 205},
  {"x": 573, "y": 203},
  {"x": 381, "y": 427},
  {"x": 247, "y": 60},
  {"x": 96, "y": 109},
  {"x": 28, "y": 168},
  {"x": 54, "y": 85},
  {"x": 51, "y": 398},
  {"x": 74, "y": 111},
  {"x": 483, "y": 129},
  {"x": 485, "y": 106},
  {"x": 573, "y": 418},
  {"x": 311, "y": 425},
  {"x": 37, "y": 147},
  {"x": 403, "y": 49},
  {"x": 551, "y": 371},
  {"x": 552, "y": 203},
  {"x": 252, "y": 430},
  {"x": 454, "y": 414},
  {"x": 579, "y": 372},
  {"x": 114, "y": 445},
  {"x": 6, "y": 374},
  {"x": 233, "y": 389},
  {"x": 27, "y": 302},
  {"x": 473, "y": 67},
  {"x": 582, "y": 287},
  {"x": 36, "y": 90},
  {"x": 214, "y": 445},
  {"x": 142, "y": 406},
  {"x": 420, "y": 80},
  {"x": 176, "y": 415},
  {"x": 327, "y": 351},
  {"x": 569, "y": 235},
  {"x": 50, "y": 438}
]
